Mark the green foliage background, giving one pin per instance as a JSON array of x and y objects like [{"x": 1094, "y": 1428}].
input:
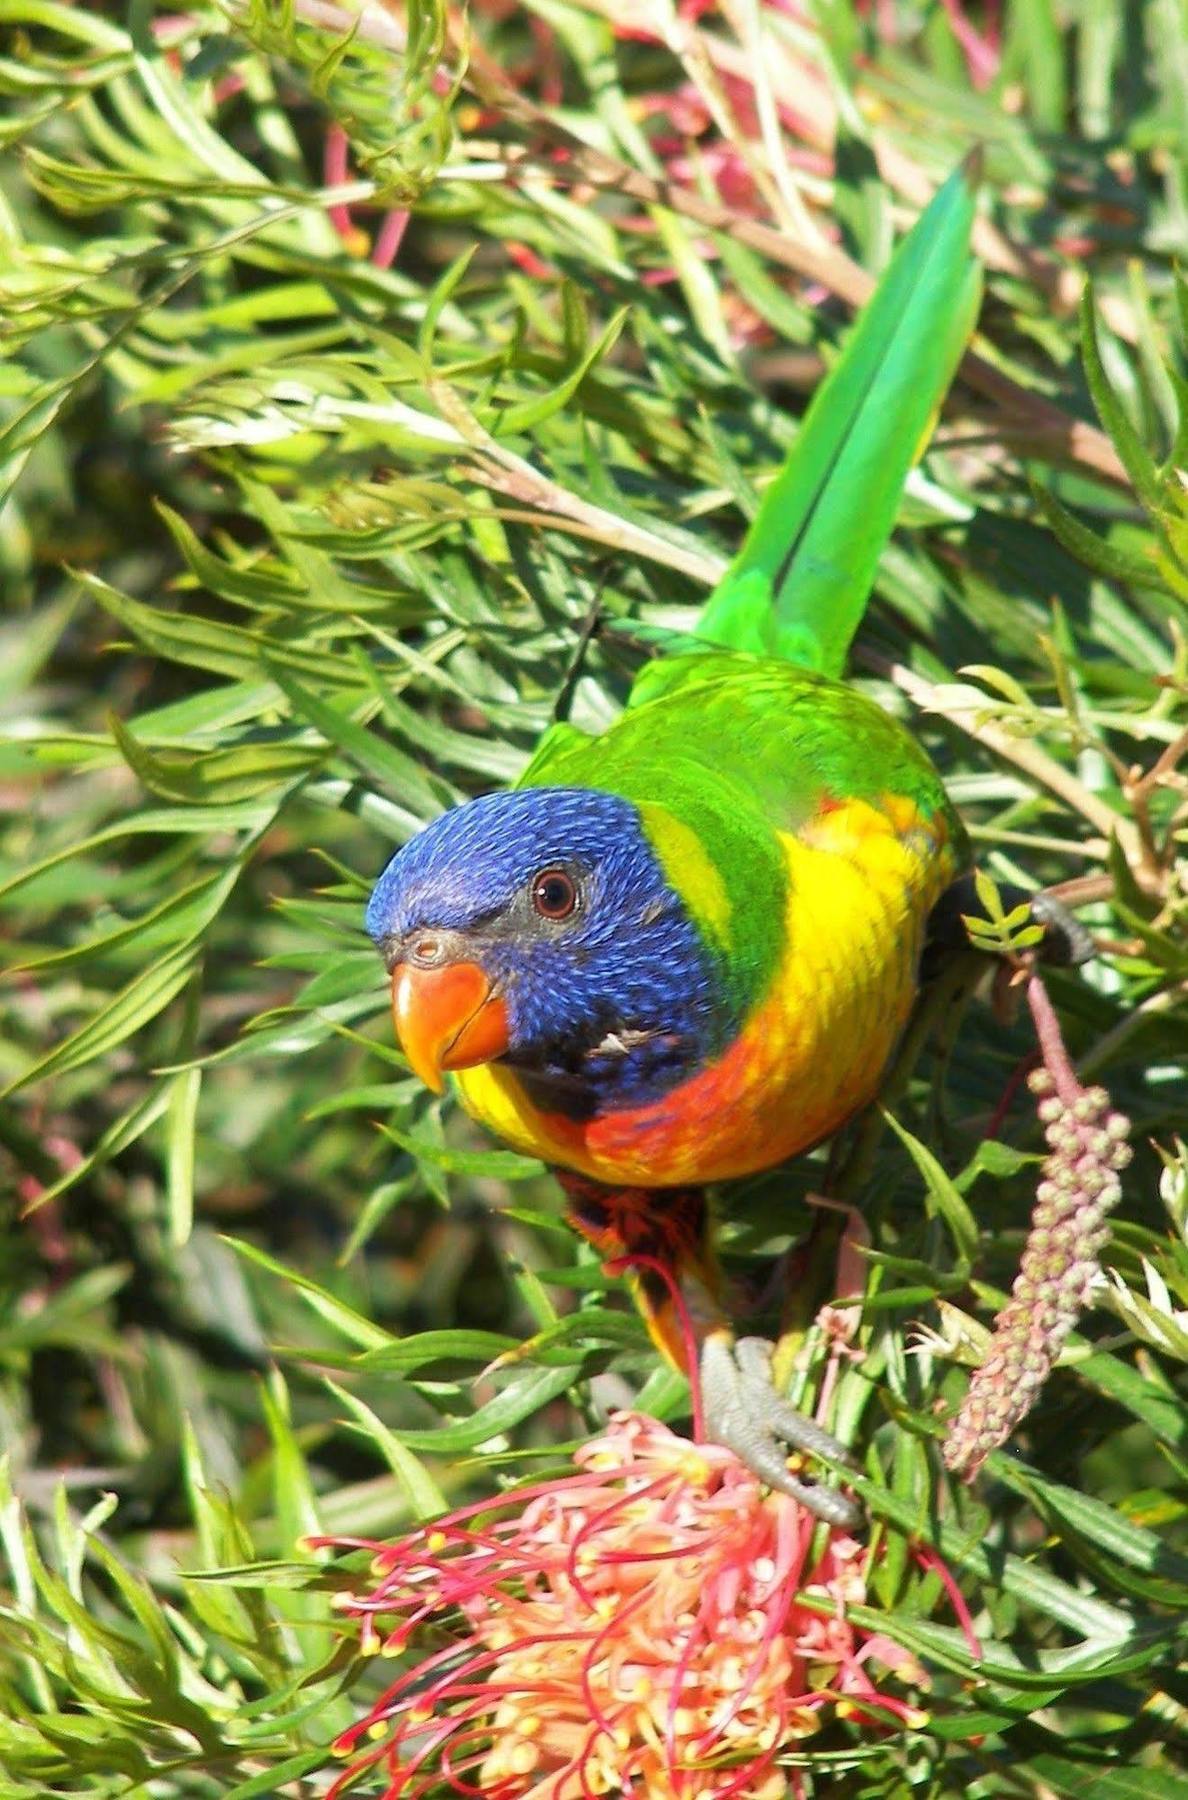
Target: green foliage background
[{"x": 296, "y": 550}]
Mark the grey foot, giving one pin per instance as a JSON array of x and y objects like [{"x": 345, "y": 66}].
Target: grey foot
[
  {"x": 1065, "y": 943},
  {"x": 744, "y": 1412}
]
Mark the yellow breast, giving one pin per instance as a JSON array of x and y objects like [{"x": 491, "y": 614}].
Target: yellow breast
[{"x": 862, "y": 881}]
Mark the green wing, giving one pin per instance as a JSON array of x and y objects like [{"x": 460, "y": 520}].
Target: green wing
[
  {"x": 800, "y": 583},
  {"x": 729, "y": 752}
]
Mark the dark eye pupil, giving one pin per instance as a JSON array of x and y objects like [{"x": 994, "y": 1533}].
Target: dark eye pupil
[{"x": 553, "y": 895}]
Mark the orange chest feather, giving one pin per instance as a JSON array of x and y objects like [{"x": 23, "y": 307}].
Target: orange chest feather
[{"x": 861, "y": 883}]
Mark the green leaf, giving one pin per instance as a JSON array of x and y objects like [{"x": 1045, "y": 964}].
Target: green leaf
[
  {"x": 386, "y": 764},
  {"x": 274, "y": 1779},
  {"x": 135, "y": 1006},
  {"x": 406, "y": 1355},
  {"x": 525, "y": 415},
  {"x": 1084, "y": 1779},
  {"x": 1137, "y": 459},
  {"x": 1102, "y": 1525},
  {"x": 424, "y": 1496},
  {"x": 499, "y": 1165},
  {"x": 337, "y": 1313},
  {"x": 525, "y": 1395},
  {"x": 180, "y": 1121},
  {"x": 1095, "y": 551},
  {"x": 944, "y": 1199}
]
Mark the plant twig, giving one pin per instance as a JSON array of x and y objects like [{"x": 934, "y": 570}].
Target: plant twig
[
  {"x": 1021, "y": 752},
  {"x": 1044, "y": 424}
]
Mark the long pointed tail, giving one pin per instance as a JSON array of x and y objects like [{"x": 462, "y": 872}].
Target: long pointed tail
[{"x": 800, "y": 583}]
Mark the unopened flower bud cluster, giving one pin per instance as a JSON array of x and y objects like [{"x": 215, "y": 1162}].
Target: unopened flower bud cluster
[{"x": 1079, "y": 1188}]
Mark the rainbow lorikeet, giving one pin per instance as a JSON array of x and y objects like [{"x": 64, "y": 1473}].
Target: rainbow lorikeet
[{"x": 684, "y": 950}]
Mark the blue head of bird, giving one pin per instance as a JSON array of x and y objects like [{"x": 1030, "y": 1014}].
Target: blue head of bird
[{"x": 538, "y": 927}]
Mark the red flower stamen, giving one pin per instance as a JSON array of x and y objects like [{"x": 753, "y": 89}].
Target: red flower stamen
[{"x": 649, "y": 1624}]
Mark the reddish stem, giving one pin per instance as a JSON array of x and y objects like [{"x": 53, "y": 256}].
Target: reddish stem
[
  {"x": 1051, "y": 1042},
  {"x": 388, "y": 240},
  {"x": 334, "y": 174}
]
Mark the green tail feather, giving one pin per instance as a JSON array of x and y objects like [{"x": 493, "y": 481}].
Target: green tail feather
[{"x": 800, "y": 583}]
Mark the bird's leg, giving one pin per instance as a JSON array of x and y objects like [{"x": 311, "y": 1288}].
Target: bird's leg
[
  {"x": 666, "y": 1229},
  {"x": 651, "y": 1230},
  {"x": 1064, "y": 943},
  {"x": 744, "y": 1412},
  {"x": 952, "y": 967}
]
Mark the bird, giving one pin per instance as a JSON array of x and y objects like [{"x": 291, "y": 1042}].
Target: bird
[{"x": 685, "y": 949}]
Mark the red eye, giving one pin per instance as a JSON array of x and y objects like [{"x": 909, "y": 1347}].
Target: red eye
[{"x": 553, "y": 894}]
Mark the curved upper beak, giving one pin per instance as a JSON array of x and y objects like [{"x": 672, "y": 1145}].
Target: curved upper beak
[{"x": 447, "y": 1017}]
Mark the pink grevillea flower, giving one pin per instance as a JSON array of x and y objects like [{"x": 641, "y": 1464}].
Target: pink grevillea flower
[{"x": 655, "y": 1624}]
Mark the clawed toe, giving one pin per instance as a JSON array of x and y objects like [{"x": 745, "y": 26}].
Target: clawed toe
[{"x": 744, "y": 1413}]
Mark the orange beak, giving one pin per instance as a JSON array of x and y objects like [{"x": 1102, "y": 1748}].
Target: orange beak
[{"x": 447, "y": 1018}]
